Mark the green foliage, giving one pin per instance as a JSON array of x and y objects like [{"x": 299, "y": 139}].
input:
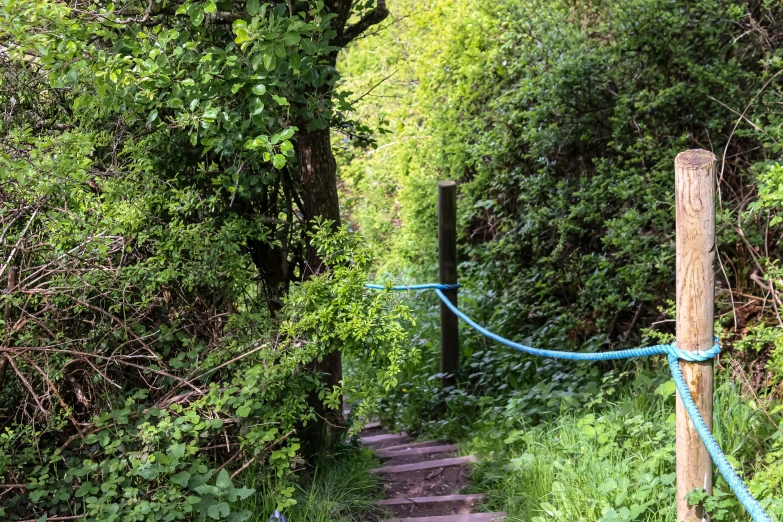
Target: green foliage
[
  {"x": 229, "y": 89},
  {"x": 161, "y": 446},
  {"x": 561, "y": 121},
  {"x": 151, "y": 199},
  {"x": 338, "y": 490},
  {"x": 334, "y": 311},
  {"x": 614, "y": 462}
]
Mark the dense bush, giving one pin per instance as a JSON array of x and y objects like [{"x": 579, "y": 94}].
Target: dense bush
[
  {"x": 129, "y": 396},
  {"x": 173, "y": 314},
  {"x": 561, "y": 121}
]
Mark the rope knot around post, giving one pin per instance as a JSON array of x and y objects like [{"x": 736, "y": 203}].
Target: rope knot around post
[{"x": 697, "y": 356}]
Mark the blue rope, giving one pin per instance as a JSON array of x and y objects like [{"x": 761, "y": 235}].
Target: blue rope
[
  {"x": 429, "y": 286},
  {"x": 674, "y": 354},
  {"x": 736, "y": 484},
  {"x": 669, "y": 349}
]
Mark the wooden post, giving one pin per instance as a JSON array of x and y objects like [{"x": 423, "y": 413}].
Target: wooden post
[
  {"x": 447, "y": 257},
  {"x": 694, "y": 179}
]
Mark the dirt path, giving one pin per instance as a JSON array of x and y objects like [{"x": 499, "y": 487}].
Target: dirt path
[{"x": 424, "y": 480}]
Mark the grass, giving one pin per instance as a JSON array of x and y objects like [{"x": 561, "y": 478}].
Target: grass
[
  {"x": 611, "y": 464},
  {"x": 337, "y": 489}
]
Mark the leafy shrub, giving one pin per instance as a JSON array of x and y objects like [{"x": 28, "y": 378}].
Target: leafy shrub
[
  {"x": 151, "y": 419},
  {"x": 561, "y": 121}
]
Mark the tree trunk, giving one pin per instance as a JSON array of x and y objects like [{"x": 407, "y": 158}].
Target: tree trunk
[
  {"x": 319, "y": 197},
  {"x": 318, "y": 170},
  {"x": 319, "y": 185}
]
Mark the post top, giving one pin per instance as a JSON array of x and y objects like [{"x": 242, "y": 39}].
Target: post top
[
  {"x": 695, "y": 158},
  {"x": 447, "y": 183}
]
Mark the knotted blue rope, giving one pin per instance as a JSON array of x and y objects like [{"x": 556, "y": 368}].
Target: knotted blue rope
[{"x": 674, "y": 354}]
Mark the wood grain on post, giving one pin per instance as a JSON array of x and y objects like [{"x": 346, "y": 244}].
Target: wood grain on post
[
  {"x": 447, "y": 257},
  {"x": 694, "y": 178}
]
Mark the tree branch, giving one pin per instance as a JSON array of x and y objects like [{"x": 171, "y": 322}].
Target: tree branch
[{"x": 374, "y": 17}]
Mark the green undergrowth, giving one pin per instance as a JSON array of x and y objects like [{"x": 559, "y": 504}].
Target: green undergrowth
[
  {"x": 336, "y": 489},
  {"x": 616, "y": 463},
  {"x": 583, "y": 441},
  {"x": 590, "y": 442}
]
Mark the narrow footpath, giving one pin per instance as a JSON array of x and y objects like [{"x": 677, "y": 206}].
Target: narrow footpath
[{"x": 424, "y": 480}]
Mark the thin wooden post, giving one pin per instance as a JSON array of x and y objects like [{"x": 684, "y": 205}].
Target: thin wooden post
[
  {"x": 694, "y": 179},
  {"x": 447, "y": 257}
]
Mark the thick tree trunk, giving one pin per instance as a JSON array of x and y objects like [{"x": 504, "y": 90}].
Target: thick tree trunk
[
  {"x": 273, "y": 263},
  {"x": 320, "y": 200},
  {"x": 319, "y": 185},
  {"x": 319, "y": 197}
]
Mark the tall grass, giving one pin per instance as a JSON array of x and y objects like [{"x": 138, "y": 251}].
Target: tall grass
[{"x": 338, "y": 488}]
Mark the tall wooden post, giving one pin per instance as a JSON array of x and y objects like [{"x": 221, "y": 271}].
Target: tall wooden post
[
  {"x": 447, "y": 257},
  {"x": 694, "y": 178}
]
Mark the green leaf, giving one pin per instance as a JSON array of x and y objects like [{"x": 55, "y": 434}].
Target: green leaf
[
  {"x": 308, "y": 46},
  {"x": 239, "y": 516},
  {"x": 196, "y": 14},
  {"x": 177, "y": 451},
  {"x": 181, "y": 478},
  {"x": 287, "y": 133},
  {"x": 292, "y": 38},
  {"x": 256, "y": 107},
  {"x": 278, "y": 160},
  {"x": 259, "y": 89},
  {"x": 224, "y": 480},
  {"x": 219, "y": 510},
  {"x": 667, "y": 389},
  {"x": 269, "y": 61},
  {"x": 252, "y": 7},
  {"x": 607, "y": 486},
  {"x": 239, "y": 493}
]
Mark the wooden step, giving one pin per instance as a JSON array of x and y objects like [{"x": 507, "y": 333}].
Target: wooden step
[
  {"x": 473, "y": 498},
  {"x": 472, "y": 517},
  {"x": 384, "y": 439},
  {"x": 388, "y": 453},
  {"x": 429, "y": 464},
  {"x": 423, "y": 444},
  {"x": 371, "y": 426}
]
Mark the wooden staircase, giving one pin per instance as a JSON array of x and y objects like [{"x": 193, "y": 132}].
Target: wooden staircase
[{"x": 424, "y": 480}]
